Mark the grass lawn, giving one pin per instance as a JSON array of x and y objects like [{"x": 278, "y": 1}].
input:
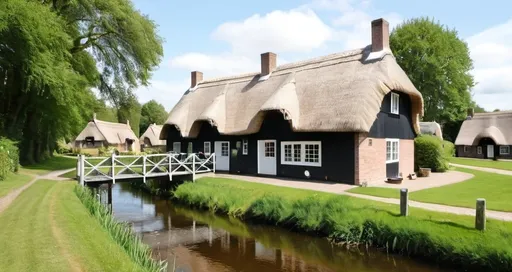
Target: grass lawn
[
  {"x": 47, "y": 228},
  {"x": 13, "y": 181},
  {"x": 504, "y": 165},
  {"x": 52, "y": 164},
  {"x": 437, "y": 236},
  {"x": 495, "y": 188}
]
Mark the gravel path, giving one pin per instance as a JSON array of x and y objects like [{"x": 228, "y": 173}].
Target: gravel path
[
  {"x": 484, "y": 169},
  {"x": 338, "y": 188},
  {"x": 10, "y": 197}
]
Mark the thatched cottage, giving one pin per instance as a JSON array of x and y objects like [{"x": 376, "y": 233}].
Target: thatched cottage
[
  {"x": 431, "y": 128},
  {"x": 347, "y": 117},
  {"x": 104, "y": 134},
  {"x": 485, "y": 135},
  {"x": 151, "y": 136}
]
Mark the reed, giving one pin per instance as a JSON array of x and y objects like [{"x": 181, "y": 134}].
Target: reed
[
  {"x": 443, "y": 238},
  {"x": 120, "y": 232}
]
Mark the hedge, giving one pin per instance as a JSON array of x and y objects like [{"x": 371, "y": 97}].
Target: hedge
[
  {"x": 9, "y": 157},
  {"x": 429, "y": 152}
]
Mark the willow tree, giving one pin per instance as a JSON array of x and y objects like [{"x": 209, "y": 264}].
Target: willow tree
[
  {"x": 438, "y": 63},
  {"x": 50, "y": 52}
]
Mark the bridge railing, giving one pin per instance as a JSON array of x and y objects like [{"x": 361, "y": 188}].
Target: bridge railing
[{"x": 90, "y": 169}]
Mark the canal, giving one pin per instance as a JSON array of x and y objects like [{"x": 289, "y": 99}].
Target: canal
[{"x": 199, "y": 241}]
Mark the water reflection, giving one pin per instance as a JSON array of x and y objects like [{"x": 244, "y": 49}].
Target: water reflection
[{"x": 200, "y": 241}]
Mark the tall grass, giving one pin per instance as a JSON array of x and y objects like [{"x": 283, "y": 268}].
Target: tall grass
[
  {"x": 121, "y": 233},
  {"x": 438, "y": 237}
]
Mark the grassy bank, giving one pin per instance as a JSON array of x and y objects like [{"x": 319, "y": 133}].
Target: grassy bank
[
  {"x": 504, "y": 165},
  {"x": 495, "y": 188},
  {"x": 439, "y": 237},
  {"x": 48, "y": 229},
  {"x": 12, "y": 182},
  {"x": 51, "y": 164}
]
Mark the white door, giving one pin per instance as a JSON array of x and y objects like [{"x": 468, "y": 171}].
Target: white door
[
  {"x": 267, "y": 162},
  {"x": 490, "y": 151},
  {"x": 222, "y": 156}
]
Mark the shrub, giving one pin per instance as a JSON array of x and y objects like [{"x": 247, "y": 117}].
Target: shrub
[
  {"x": 9, "y": 157},
  {"x": 449, "y": 149},
  {"x": 62, "y": 147},
  {"x": 429, "y": 153}
]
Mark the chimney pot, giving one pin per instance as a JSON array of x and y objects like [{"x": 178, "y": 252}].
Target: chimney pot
[
  {"x": 380, "y": 35},
  {"x": 268, "y": 63},
  {"x": 195, "y": 78}
]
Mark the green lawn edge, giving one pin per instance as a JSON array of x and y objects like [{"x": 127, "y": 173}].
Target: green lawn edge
[
  {"x": 440, "y": 237},
  {"x": 12, "y": 182},
  {"x": 503, "y": 165}
]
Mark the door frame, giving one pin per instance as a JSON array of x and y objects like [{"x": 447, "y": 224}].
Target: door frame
[
  {"x": 220, "y": 152},
  {"x": 258, "y": 155}
]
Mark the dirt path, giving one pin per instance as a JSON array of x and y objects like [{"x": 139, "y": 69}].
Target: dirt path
[
  {"x": 337, "y": 188},
  {"x": 484, "y": 169},
  {"x": 74, "y": 264},
  {"x": 6, "y": 201}
]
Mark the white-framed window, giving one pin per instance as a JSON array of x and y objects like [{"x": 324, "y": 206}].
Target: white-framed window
[
  {"x": 245, "y": 146},
  {"x": 302, "y": 153},
  {"x": 176, "y": 147},
  {"x": 270, "y": 149},
  {"x": 466, "y": 149},
  {"x": 479, "y": 150},
  {"x": 190, "y": 148},
  {"x": 392, "y": 150},
  {"x": 207, "y": 148},
  {"x": 504, "y": 150},
  {"x": 395, "y": 103},
  {"x": 224, "y": 149}
]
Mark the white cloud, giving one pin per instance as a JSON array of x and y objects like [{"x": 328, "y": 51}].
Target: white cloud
[
  {"x": 167, "y": 93},
  {"x": 491, "y": 51},
  {"x": 297, "y": 30}
]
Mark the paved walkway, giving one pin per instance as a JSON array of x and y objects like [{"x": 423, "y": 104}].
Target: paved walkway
[
  {"x": 10, "y": 197},
  {"x": 434, "y": 180},
  {"x": 338, "y": 188},
  {"x": 484, "y": 169}
]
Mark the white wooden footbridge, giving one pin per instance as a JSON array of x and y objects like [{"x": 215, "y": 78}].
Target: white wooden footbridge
[{"x": 122, "y": 167}]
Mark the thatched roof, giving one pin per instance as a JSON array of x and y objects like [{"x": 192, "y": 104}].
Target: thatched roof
[
  {"x": 339, "y": 92},
  {"x": 112, "y": 133},
  {"x": 431, "y": 128},
  {"x": 494, "y": 125},
  {"x": 153, "y": 134}
]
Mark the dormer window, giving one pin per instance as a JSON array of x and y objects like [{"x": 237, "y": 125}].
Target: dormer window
[{"x": 395, "y": 103}]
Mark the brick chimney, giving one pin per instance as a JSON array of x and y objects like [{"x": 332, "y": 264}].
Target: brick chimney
[
  {"x": 380, "y": 35},
  {"x": 195, "y": 78},
  {"x": 268, "y": 63}
]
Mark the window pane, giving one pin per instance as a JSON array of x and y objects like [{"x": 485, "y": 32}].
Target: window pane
[
  {"x": 312, "y": 153},
  {"x": 224, "y": 152},
  {"x": 269, "y": 149},
  {"x": 395, "y": 150},
  {"x": 288, "y": 153},
  {"x": 388, "y": 151},
  {"x": 296, "y": 153},
  {"x": 207, "y": 147},
  {"x": 245, "y": 147}
]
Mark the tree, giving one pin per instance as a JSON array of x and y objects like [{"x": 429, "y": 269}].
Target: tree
[
  {"x": 496, "y": 110},
  {"x": 129, "y": 110},
  {"x": 152, "y": 113},
  {"x": 478, "y": 109},
  {"x": 438, "y": 63}
]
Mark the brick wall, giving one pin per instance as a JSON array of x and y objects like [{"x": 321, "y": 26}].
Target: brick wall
[
  {"x": 370, "y": 159},
  {"x": 406, "y": 165}
]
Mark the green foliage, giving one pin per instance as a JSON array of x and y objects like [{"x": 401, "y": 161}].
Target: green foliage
[
  {"x": 152, "y": 113},
  {"x": 451, "y": 130},
  {"x": 440, "y": 237},
  {"x": 106, "y": 150},
  {"x": 9, "y": 157},
  {"x": 120, "y": 232},
  {"x": 438, "y": 63},
  {"x": 129, "y": 110},
  {"x": 429, "y": 153},
  {"x": 449, "y": 149}
]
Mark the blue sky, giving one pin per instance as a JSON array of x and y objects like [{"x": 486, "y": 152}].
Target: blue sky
[{"x": 223, "y": 38}]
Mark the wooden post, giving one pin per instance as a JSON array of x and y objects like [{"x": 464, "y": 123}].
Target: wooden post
[
  {"x": 144, "y": 168},
  {"x": 82, "y": 171},
  {"x": 480, "y": 214},
  {"x": 109, "y": 198},
  {"x": 213, "y": 162},
  {"x": 113, "y": 158},
  {"x": 170, "y": 166},
  {"x": 193, "y": 167},
  {"x": 404, "y": 202},
  {"x": 78, "y": 167}
]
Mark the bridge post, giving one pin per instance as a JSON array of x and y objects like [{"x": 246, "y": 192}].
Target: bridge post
[
  {"x": 109, "y": 197},
  {"x": 170, "y": 166},
  {"x": 81, "y": 169},
  {"x": 193, "y": 167},
  {"x": 144, "y": 168},
  {"x": 213, "y": 162},
  {"x": 113, "y": 158}
]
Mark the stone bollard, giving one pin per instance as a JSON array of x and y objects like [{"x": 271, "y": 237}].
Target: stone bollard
[
  {"x": 404, "y": 202},
  {"x": 480, "y": 214}
]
